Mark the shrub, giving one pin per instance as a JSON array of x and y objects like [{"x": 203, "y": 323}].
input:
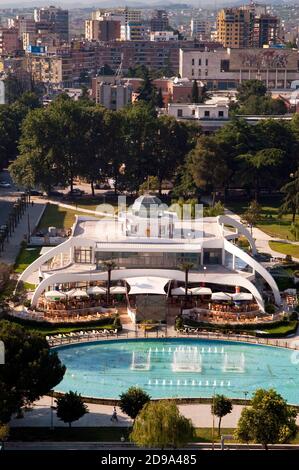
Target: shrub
[
  {"x": 179, "y": 323},
  {"x": 294, "y": 316},
  {"x": 270, "y": 308},
  {"x": 288, "y": 259}
]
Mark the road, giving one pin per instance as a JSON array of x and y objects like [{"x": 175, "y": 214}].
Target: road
[{"x": 7, "y": 197}]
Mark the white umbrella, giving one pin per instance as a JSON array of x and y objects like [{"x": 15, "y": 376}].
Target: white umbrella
[
  {"x": 77, "y": 293},
  {"x": 221, "y": 296},
  {"x": 118, "y": 290},
  {"x": 55, "y": 295},
  {"x": 242, "y": 296},
  {"x": 180, "y": 291},
  {"x": 201, "y": 291},
  {"x": 96, "y": 290}
]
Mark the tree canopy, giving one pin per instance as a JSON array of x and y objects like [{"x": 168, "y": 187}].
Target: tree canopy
[
  {"x": 133, "y": 400},
  {"x": 31, "y": 370},
  {"x": 160, "y": 424}
]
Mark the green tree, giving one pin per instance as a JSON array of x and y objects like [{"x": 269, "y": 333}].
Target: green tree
[
  {"x": 30, "y": 371},
  {"x": 290, "y": 193},
  {"x": 250, "y": 88},
  {"x": 160, "y": 424},
  {"x": 195, "y": 92},
  {"x": 109, "y": 265},
  {"x": 147, "y": 91},
  {"x": 253, "y": 214},
  {"x": 133, "y": 400},
  {"x": 159, "y": 99},
  {"x": 115, "y": 145},
  {"x": 269, "y": 420},
  {"x": 70, "y": 407},
  {"x": 208, "y": 166},
  {"x": 186, "y": 267},
  {"x": 221, "y": 406}
]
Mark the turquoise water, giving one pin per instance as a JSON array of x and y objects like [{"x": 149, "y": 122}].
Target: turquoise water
[{"x": 179, "y": 368}]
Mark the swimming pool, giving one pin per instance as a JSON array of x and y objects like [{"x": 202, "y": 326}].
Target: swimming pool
[{"x": 178, "y": 368}]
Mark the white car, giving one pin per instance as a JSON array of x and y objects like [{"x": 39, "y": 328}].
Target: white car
[{"x": 4, "y": 184}]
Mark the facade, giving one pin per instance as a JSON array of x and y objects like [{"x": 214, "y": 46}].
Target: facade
[
  {"x": 200, "y": 29},
  {"x": 149, "y": 241},
  {"x": 54, "y": 19},
  {"x": 102, "y": 30},
  {"x": 235, "y": 27},
  {"x": 265, "y": 30},
  {"x": 163, "y": 36},
  {"x": 9, "y": 41},
  {"x": 186, "y": 111},
  {"x": 113, "y": 96},
  {"x": 223, "y": 69},
  {"x": 134, "y": 31},
  {"x": 159, "y": 21}
]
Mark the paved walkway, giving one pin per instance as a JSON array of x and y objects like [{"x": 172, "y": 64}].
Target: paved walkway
[
  {"x": 100, "y": 416},
  {"x": 12, "y": 247}
]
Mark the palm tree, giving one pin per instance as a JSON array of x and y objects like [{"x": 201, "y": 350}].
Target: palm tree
[
  {"x": 110, "y": 266},
  {"x": 291, "y": 196},
  {"x": 186, "y": 267}
]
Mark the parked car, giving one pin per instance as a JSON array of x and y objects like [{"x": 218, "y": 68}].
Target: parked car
[
  {"x": 5, "y": 184},
  {"x": 76, "y": 192},
  {"x": 54, "y": 194},
  {"x": 34, "y": 192}
]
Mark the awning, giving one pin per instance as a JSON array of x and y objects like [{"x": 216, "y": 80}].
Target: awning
[
  {"x": 147, "y": 285},
  {"x": 96, "y": 290},
  {"x": 221, "y": 296},
  {"x": 118, "y": 290},
  {"x": 201, "y": 291},
  {"x": 242, "y": 296},
  {"x": 77, "y": 293},
  {"x": 55, "y": 295},
  {"x": 180, "y": 291}
]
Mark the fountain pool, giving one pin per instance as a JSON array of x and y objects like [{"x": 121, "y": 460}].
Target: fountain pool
[{"x": 178, "y": 368}]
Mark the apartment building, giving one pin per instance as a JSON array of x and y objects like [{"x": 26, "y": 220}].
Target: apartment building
[
  {"x": 113, "y": 95},
  {"x": 9, "y": 41}
]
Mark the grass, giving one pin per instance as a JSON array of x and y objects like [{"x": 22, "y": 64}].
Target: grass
[
  {"x": 271, "y": 223},
  {"x": 283, "y": 329},
  {"x": 102, "y": 434},
  {"x": 285, "y": 248},
  {"x": 59, "y": 217},
  {"x": 25, "y": 257},
  {"x": 49, "y": 329}
]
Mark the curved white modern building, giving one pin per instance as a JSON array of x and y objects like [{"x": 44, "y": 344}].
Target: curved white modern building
[{"x": 149, "y": 243}]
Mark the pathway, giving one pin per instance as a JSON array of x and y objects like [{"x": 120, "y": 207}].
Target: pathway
[
  {"x": 32, "y": 215},
  {"x": 100, "y": 415}
]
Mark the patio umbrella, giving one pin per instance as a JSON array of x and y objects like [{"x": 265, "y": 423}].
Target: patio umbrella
[
  {"x": 96, "y": 290},
  {"x": 55, "y": 295},
  {"x": 201, "y": 291},
  {"x": 242, "y": 296},
  {"x": 77, "y": 293},
  {"x": 180, "y": 291},
  {"x": 221, "y": 296},
  {"x": 118, "y": 290}
]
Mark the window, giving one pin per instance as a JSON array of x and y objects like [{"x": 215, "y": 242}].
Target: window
[
  {"x": 199, "y": 62},
  {"x": 220, "y": 114},
  {"x": 224, "y": 65},
  {"x": 199, "y": 72},
  {"x": 192, "y": 72},
  {"x": 193, "y": 112},
  {"x": 180, "y": 113},
  {"x": 207, "y": 113},
  {"x": 207, "y": 62},
  {"x": 193, "y": 61}
]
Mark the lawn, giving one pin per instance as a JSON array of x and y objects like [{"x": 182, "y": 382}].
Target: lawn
[
  {"x": 59, "y": 217},
  {"x": 25, "y": 257},
  {"x": 270, "y": 223},
  {"x": 282, "y": 330},
  {"x": 285, "y": 248},
  {"x": 102, "y": 434}
]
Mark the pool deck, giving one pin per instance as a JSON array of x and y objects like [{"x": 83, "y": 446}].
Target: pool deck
[{"x": 100, "y": 416}]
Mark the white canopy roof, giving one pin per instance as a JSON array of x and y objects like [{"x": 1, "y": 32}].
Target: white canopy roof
[
  {"x": 201, "y": 291},
  {"x": 242, "y": 296},
  {"x": 77, "y": 293},
  {"x": 180, "y": 291},
  {"x": 221, "y": 296},
  {"x": 118, "y": 290},
  {"x": 55, "y": 295},
  {"x": 147, "y": 285},
  {"x": 96, "y": 290}
]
